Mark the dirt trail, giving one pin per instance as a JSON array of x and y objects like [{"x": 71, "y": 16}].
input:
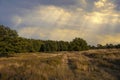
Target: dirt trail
[
  {"x": 67, "y": 62},
  {"x": 65, "y": 59}
]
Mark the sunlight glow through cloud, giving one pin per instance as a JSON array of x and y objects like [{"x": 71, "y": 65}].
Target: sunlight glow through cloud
[{"x": 94, "y": 20}]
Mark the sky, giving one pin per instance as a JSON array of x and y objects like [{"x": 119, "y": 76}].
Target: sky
[{"x": 96, "y": 21}]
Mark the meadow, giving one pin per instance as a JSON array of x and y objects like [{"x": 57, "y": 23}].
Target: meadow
[{"x": 101, "y": 64}]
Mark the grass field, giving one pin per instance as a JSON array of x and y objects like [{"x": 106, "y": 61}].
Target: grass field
[{"x": 85, "y": 65}]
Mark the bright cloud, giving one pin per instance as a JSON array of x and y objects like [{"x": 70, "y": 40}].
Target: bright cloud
[
  {"x": 104, "y": 4},
  {"x": 94, "y": 20},
  {"x": 58, "y": 15}
]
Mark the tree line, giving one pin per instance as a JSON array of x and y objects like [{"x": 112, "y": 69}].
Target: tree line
[
  {"x": 10, "y": 42},
  {"x": 107, "y": 46}
]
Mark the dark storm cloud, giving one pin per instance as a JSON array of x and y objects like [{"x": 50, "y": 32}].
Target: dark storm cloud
[
  {"x": 30, "y": 3},
  {"x": 9, "y": 8},
  {"x": 117, "y": 4}
]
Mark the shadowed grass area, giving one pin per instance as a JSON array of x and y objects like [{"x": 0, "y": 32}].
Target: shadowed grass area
[{"x": 85, "y": 65}]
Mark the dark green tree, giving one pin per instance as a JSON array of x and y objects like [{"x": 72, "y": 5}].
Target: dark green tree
[
  {"x": 78, "y": 44},
  {"x": 10, "y": 42},
  {"x": 7, "y": 32}
]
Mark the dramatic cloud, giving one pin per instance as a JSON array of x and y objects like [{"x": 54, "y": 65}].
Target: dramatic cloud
[{"x": 97, "y": 21}]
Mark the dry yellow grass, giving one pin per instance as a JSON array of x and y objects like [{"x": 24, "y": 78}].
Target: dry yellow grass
[{"x": 84, "y": 65}]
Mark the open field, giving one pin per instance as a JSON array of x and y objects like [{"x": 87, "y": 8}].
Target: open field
[{"x": 85, "y": 65}]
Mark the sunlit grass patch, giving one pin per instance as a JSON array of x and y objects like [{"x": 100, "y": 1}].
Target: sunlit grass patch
[{"x": 85, "y": 65}]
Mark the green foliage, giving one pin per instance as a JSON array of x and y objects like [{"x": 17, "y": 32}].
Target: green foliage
[
  {"x": 107, "y": 46},
  {"x": 49, "y": 46},
  {"x": 63, "y": 46},
  {"x": 78, "y": 44},
  {"x": 10, "y": 42},
  {"x": 7, "y": 32}
]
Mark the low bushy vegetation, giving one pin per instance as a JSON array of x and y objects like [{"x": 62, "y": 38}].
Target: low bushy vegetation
[{"x": 85, "y": 65}]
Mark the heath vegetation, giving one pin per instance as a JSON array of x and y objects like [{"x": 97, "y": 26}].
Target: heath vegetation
[{"x": 30, "y": 59}]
